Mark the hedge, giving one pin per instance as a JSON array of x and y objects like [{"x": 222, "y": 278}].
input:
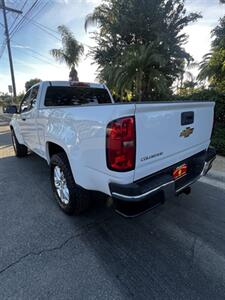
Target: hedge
[{"x": 218, "y": 138}]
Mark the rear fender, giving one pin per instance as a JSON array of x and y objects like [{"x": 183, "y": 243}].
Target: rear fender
[{"x": 63, "y": 148}]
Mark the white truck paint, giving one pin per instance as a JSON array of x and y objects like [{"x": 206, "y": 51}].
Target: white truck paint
[
  {"x": 159, "y": 131},
  {"x": 81, "y": 132}
]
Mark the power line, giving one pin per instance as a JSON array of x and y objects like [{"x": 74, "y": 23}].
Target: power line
[
  {"x": 4, "y": 9},
  {"x": 44, "y": 26},
  {"x": 40, "y": 26},
  {"x": 35, "y": 8},
  {"x": 35, "y": 52},
  {"x": 23, "y": 19},
  {"x": 50, "y": 29},
  {"x": 14, "y": 22},
  {"x": 35, "y": 16},
  {"x": 40, "y": 59}
]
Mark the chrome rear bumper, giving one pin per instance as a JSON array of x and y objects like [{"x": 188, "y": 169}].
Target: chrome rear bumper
[{"x": 161, "y": 184}]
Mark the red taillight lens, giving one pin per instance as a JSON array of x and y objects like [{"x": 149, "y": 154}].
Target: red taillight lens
[{"x": 121, "y": 144}]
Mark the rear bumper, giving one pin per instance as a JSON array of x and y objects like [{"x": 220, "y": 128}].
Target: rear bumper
[
  {"x": 210, "y": 157},
  {"x": 136, "y": 192},
  {"x": 162, "y": 185}
]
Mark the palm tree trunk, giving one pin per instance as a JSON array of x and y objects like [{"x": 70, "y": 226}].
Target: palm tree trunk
[{"x": 73, "y": 76}]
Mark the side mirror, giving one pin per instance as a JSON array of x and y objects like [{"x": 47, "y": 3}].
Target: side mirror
[
  {"x": 10, "y": 109},
  {"x": 13, "y": 109}
]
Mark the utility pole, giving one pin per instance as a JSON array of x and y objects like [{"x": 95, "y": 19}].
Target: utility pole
[{"x": 4, "y": 9}]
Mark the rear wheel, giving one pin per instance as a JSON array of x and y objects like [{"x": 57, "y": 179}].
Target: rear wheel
[
  {"x": 20, "y": 149},
  {"x": 70, "y": 197}
]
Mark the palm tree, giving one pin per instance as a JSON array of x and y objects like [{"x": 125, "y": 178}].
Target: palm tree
[
  {"x": 212, "y": 65},
  {"x": 70, "y": 52},
  {"x": 128, "y": 62},
  {"x": 185, "y": 73},
  {"x": 137, "y": 70},
  {"x": 206, "y": 71}
]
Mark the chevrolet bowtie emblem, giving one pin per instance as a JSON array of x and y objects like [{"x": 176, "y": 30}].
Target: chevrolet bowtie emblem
[{"x": 186, "y": 132}]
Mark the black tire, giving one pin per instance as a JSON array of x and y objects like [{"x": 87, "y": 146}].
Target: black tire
[
  {"x": 20, "y": 149},
  {"x": 79, "y": 198}
]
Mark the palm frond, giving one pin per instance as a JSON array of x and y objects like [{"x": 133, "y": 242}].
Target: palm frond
[
  {"x": 58, "y": 54},
  {"x": 91, "y": 20},
  {"x": 204, "y": 67},
  {"x": 71, "y": 49}
]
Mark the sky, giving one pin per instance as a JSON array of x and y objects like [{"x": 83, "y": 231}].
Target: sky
[{"x": 31, "y": 45}]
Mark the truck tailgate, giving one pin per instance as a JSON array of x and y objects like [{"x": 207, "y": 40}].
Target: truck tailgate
[{"x": 169, "y": 132}]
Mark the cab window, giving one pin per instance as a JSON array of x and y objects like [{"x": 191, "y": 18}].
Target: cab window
[
  {"x": 73, "y": 96},
  {"x": 33, "y": 96},
  {"x": 24, "y": 106},
  {"x": 29, "y": 100}
]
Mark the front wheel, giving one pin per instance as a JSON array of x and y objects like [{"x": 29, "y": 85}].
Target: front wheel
[
  {"x": 70, "y": 197},
  {"x": 20, "y": 149}
]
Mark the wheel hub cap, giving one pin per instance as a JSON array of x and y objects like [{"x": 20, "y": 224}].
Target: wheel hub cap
[{"x": 61, "y": 185}]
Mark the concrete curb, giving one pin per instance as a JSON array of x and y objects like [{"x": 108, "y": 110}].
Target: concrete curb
[
  {"x": 5, "y": 118},
  {"x": 216, "y": 175}
]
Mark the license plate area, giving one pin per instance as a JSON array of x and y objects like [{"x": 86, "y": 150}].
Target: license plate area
[{"x": 180, "y": 171}]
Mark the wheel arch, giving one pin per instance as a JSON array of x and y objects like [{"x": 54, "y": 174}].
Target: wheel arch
[
  {"x": 17, "y": 133},
  {"x": 54, "y": 148}
]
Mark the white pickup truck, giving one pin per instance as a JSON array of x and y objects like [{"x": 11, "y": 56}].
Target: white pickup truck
[{"x": 137, "y": 153}]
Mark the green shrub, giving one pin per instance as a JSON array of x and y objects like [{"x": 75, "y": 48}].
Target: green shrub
[{"x": 218, "y": 138}]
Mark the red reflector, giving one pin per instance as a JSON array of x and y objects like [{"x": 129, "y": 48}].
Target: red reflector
[
  {"x": 180, "y": 171},
  {"x": 120, "y": 144}
]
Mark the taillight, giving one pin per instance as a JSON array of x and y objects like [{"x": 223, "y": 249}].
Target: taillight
[{"x": 121, "y": 144}]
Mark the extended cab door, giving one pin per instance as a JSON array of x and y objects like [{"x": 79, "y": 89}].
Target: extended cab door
[{"x": 27, "y": 120}]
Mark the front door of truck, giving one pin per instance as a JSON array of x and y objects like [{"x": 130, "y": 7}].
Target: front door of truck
[{"x": 28, "y": 115}]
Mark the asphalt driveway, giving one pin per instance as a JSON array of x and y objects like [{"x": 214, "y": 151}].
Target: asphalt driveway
[{"x": 176, "y": 251}]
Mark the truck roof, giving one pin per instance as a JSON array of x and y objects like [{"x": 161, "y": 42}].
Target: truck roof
[{"x": 75, "y": 83}]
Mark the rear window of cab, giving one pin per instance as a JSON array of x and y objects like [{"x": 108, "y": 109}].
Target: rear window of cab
[{"x": 73, "y": 96}]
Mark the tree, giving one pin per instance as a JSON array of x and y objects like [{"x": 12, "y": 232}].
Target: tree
[
  {"x": 31, "y": 82},
  {"x": 130, "y": 72},
  {"x": 140, "y": 44},
  {"x": 5, "y": 99},
  {"x": 212, "y": 67},
  {"x": 70, "y": 52},
  {"x": 19, "y": 98}
]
